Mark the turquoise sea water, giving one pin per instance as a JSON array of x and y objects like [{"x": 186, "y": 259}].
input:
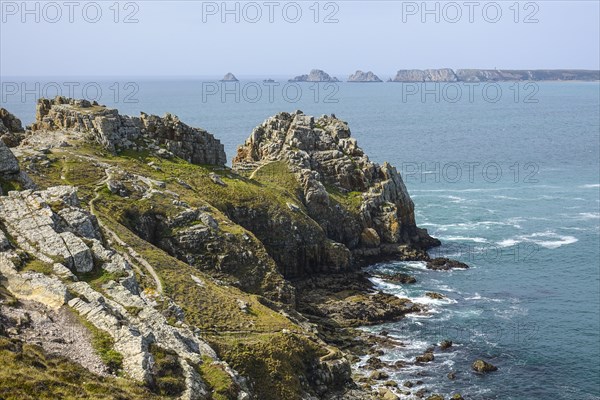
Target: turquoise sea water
[{"x": 511, "y": 187}]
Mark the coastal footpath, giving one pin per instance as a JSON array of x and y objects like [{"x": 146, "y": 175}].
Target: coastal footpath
[{"x": 135, "y": 264}]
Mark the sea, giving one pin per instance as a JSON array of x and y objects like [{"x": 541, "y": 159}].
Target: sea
[{"x": 506, "y": 175}]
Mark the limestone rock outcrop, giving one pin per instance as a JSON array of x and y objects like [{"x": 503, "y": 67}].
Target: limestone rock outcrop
[
  {"x": 50, "y": 228},
  {"x": 360, "y": 76},
  {"x": 359, "y": 205},
  {"x": 315, "y": 75},
  {"x": 166, "y": 136}
]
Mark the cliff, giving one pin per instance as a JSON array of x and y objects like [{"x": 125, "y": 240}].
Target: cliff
[
  {"x": 190, "y": 279},
  {"x": 489, "y": 75}
]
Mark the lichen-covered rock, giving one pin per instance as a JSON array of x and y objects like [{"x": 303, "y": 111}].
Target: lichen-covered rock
[{"x": 166, "y": 136}]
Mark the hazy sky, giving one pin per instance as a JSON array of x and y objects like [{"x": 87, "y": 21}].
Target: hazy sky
[{"x": 189, "y": 38}]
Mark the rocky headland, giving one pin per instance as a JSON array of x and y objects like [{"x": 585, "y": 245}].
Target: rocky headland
[
  {"x": 494, "y": 75},
  {"x": 174, "y": 276},
  {"x": 315, "y": 75}
]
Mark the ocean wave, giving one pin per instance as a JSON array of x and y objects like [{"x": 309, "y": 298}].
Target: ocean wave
[{"x": 590, "y": 186}]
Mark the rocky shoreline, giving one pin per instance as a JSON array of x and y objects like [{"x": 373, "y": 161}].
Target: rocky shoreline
[{"x": 194, "y": 280}]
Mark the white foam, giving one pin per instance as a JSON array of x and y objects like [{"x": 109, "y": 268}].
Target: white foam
[
  {"x": 588, "y": 215},
  {"x": 508, "y": 242},
  {"x": 590, "y": 186},
  {"x": 415, "y": 264},
  {"x": 554, "y": 244},
  {"x": 464, "y": 238},
  {"x": 547, "y": 239}
]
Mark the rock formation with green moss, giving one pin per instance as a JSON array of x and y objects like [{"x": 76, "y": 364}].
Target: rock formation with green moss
[{"x": 182, "y": 278}]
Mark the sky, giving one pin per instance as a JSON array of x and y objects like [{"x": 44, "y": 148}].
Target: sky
[{"x": 285, "y": 38}]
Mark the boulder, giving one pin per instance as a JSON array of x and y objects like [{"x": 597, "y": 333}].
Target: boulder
[
  {"x": 445, "y": 344},
  {"x": 426, "y": 357},
  {"x": 445, "y": 264},
  {"x": 483, "y": 366},
  {"x": 435, "y": 296},
  {"x": 378, "y": 375}
]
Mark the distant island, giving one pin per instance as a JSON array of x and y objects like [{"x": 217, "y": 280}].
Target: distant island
[
  {"x": 360, "y": 76},
  {"x": 229, "y": 77},
  {"x": 316, "y": 75},
  {"x": 494, "y": 75}
]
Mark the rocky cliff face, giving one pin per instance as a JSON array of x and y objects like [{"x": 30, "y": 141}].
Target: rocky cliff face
[
  {"x": 363, "y": 208},
  {"x": 316, "y": 75},
  {"x": 360, "y": 76},
  {"x": 180, "y": 267},
  {"x": 166, "y": 136}
]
